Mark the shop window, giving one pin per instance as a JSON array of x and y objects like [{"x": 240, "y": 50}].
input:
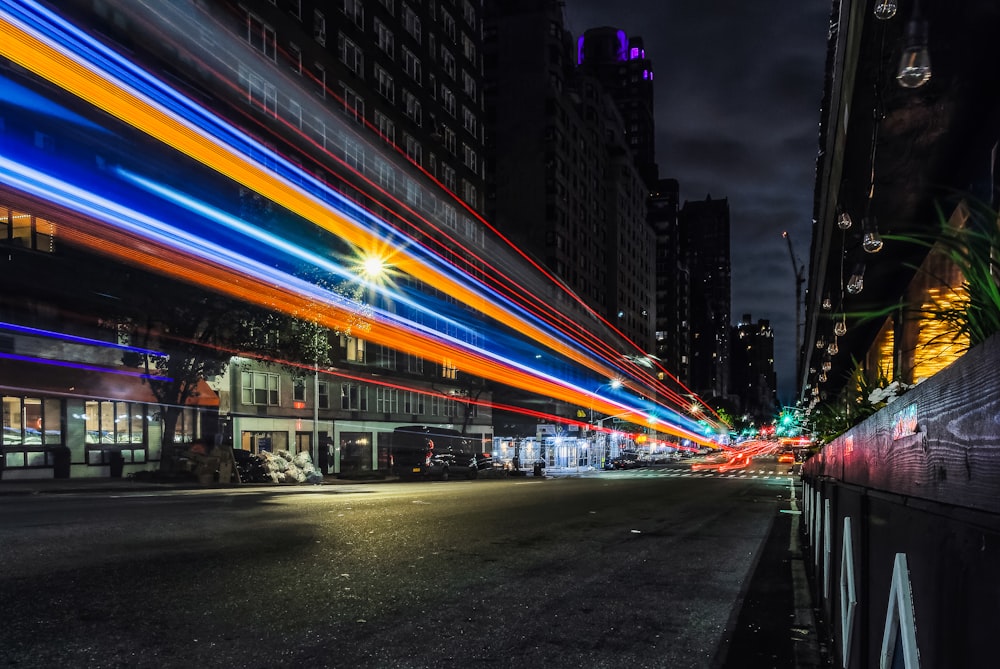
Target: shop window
[{"x": 31, "y": 427}]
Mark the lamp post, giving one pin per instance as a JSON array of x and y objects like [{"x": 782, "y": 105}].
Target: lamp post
[
  {"x": 600, "y": 424},
  {"x": 614, "y": 384}
]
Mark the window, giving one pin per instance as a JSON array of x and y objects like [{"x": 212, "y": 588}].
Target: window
[
  {"x": 386, "y": 358},
  {"x": 448, "y": 61},
  {"x": 260, "y": 92},
  {"x": 386, "y": 400},
  {"x": 324, "y": 395},
  {"x": 413, "y": 402},
  {"x": 448, "y": 23},
  {"x": 385, "y": 83},
  {"x": 319, "y": 27},
  {"x": 355, "y": 10},
  {"x": 354, "y": 348},
  {"x": 413, "y": 108},
  {"x": 259, "y": 388},
  {"x": 19, "y": 228},
  {"x": 260, "y": 35},
  {"x": 469, "y": 121},
  {"x": 386, "y": 175},
  {"x": 415, "y": 153},
  {"x": 354, "y": 154},
  {"x": 469, "y": 84},
  {"x": 390, "y": 5},
  {"x": 468, "y": 48},
  {"x": 448, "y": 99},
  {"x": 354, "y": 105},
  {"x": 384, "y": 39},
  {"x": 414, "y": 364},
  {"x": 469, "y": 157},
  {"x": 411, "y": 65},
  {"x": 468, "y": 13},
  {"x": 448, "y": 177},
  {"x": 30, "y": 424},
  {"x": 451, "y": 217},
  {"x": 450, "y": 142},
  {"x": 350, "y": 54},
  {"x": 320, "y": 79},
  {"x": 411, "y": 22},
  {"x": 295, "y": 113},
  {"x": 118, "y": 424},
  {"x": 295, "y": 58},
  {"x": 385, "y": 126},
  {"x": 299, "y": 391},
  {"x": 469, "y": 194},
  {"x": 448, "y": 369},
  {"x": 353, "y": 397}
]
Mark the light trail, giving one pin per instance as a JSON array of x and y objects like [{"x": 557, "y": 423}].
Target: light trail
[{"x": 119, "y": 100}]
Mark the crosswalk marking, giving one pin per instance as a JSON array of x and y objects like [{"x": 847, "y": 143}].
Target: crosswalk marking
[{"x": 760, "y": 474}]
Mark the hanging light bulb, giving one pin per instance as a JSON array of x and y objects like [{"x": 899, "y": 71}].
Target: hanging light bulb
[
  {"x": 827, "y": 303},
  {"x": 885, "y": 9},
  {"x": 840, "y": 328},
  {"x": 871, "y": 240},
  {"x": 821, "y": 342},
  {"x": 822, "y": 377},
  {"x": 857, "y": 281},
  {"x": 844, "y": 220},
  {"x": 832, "y": 348},
  {"x": 827, "y": 363},
  {"x": 915, "y": 63}
]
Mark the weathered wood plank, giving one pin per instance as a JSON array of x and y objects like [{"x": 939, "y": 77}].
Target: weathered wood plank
[{"x": 939, "y": 441}]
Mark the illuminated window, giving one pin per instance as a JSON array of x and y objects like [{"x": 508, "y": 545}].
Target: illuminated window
[
  {"x": 20, "y": 228},
  {"x": 354, "y": 348},
  {"x": 448, "y": 369}
]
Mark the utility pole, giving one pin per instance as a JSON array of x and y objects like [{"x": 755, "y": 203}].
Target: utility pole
[{"x": 799, "y": 280}]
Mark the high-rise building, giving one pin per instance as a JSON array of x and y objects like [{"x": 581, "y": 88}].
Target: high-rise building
[
  {"x": 619, "y": 62},
  {"x": 705, "y": 230},
  {"x": 753, "y": 378},
  {"x": 673, "y": 282},
  {"x": 566, "y": 185}
]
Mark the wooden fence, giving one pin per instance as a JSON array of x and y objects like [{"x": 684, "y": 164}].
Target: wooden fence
[{"x": 902, "y": 522}]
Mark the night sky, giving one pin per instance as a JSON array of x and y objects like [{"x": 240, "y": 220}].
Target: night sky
[{"x": 738, "y": 89}]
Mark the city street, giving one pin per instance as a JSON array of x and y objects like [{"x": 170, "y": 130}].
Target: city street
[{"x": 639, "y": 568}]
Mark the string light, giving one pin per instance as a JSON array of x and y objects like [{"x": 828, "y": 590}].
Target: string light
[
  {"x": 885, "y": 9},
  {"x": 857, "y": 281},
  {"x": 915, "y": 62}
]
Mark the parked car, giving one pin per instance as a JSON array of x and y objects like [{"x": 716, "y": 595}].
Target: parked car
[
  {"x": 786, "y": 458},
  {"x": 625, "y": 461},
  {"x": 422, "y": 451}
]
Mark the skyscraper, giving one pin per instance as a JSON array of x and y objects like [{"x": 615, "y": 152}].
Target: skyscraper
[
  {"x": 705, "y": 232},
  {"x": 566, "y": 185}
]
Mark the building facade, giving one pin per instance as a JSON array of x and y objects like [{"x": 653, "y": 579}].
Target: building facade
[{"x": 705, "y": 231}]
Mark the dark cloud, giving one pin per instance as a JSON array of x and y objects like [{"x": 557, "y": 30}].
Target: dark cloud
[{"x": 738, "y": 92}]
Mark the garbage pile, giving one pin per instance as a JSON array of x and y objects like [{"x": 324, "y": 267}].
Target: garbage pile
[{"x": 285, "y": 467}]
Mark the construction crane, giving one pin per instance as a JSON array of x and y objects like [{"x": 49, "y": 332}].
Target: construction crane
[{"x": 800, "y": 279}]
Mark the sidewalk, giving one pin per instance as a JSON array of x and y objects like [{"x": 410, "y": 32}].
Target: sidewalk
[{"x": 125, "y": 485}]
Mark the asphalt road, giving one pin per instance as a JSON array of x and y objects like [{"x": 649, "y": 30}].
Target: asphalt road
[{"x": 619, "y": 569}]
